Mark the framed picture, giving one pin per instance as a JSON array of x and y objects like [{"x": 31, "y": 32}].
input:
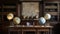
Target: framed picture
[{"x": 30, "y": 9}]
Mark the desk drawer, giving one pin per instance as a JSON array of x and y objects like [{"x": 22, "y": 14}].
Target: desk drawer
[
  {"x": 43, "y": 29},
  {"x": 14, "y": 29}
]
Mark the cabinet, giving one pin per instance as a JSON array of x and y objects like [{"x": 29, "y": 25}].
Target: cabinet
[{"x": 53, "y": 9}]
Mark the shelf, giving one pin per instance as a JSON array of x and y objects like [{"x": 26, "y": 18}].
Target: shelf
[
  {"x": 53, "y": 22},
  {"x": 51, "y": 7},
  {"x": 11, "y": 7},
  {"x": 5, "y": 13},
  {"x": 52, "y": 2},
  {"x": 9, "y": 10},
  {"x": 30, "y": 19},
  {"x": 52, "y": 13}
]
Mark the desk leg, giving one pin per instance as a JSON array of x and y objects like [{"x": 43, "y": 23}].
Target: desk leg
[
  {"x": 8, "y": 32},
  {"x": 37, "y": 32},
  {"x": 46, "y": 32},
  {"x": 22, "y": 32},
  {"x": 50, "y": 31}
]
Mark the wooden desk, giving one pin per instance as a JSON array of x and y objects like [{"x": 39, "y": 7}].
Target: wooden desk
[{"x": 36, "y": 29}]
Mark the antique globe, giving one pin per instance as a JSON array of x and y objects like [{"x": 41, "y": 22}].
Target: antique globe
[
  {"x": 47, "y": 16},
  {"x": 16, "y": 20},
  {"x": 42, "y": 20},
  {"x": 10, "y": 16}
]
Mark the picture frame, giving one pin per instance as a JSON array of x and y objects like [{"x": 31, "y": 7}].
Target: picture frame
[{"x": 30, "y": 9}]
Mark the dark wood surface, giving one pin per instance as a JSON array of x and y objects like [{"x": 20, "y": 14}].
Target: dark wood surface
[{"x": 36, "y": 29}]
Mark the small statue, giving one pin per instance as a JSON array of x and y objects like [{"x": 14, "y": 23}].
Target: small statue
[{"x": 28, "y": 24}]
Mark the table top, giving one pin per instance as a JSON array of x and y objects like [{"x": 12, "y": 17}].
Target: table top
[{"x": 31, "y": 26}]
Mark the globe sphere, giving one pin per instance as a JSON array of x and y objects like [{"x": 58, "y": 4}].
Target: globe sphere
[
  {"x": 16, "y": 20},
  {"x": 47, "y": 16},
  {"x": 10, "y": 16},
  {"x": 42, "y": 20}
]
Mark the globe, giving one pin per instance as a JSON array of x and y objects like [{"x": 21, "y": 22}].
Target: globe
[
  {"x": 10, "y": 16},
  {"x": 42, "y": 20},
  {"x": 16, "y": 20},
  {"x": 47, "y": 16}
]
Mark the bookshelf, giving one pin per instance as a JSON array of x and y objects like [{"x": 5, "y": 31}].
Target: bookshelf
[
  {"x": 53, "y": 9},
  {"x": 6, "y": 8}
]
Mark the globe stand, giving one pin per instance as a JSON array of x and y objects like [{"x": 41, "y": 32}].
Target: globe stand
[
  {"x": 9, "y": 22},
  {"x": 42, "y": 25},
  {"x": 47, "y": 24},
  {"x": 15, "y": 25}
]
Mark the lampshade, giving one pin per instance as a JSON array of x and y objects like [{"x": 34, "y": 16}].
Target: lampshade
[
  {"x": 47, "y": 16},
  {"x": 42, "y": 20},
  {"x": 10, "y": 16},
  {"x": 16, "y": 20}
]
